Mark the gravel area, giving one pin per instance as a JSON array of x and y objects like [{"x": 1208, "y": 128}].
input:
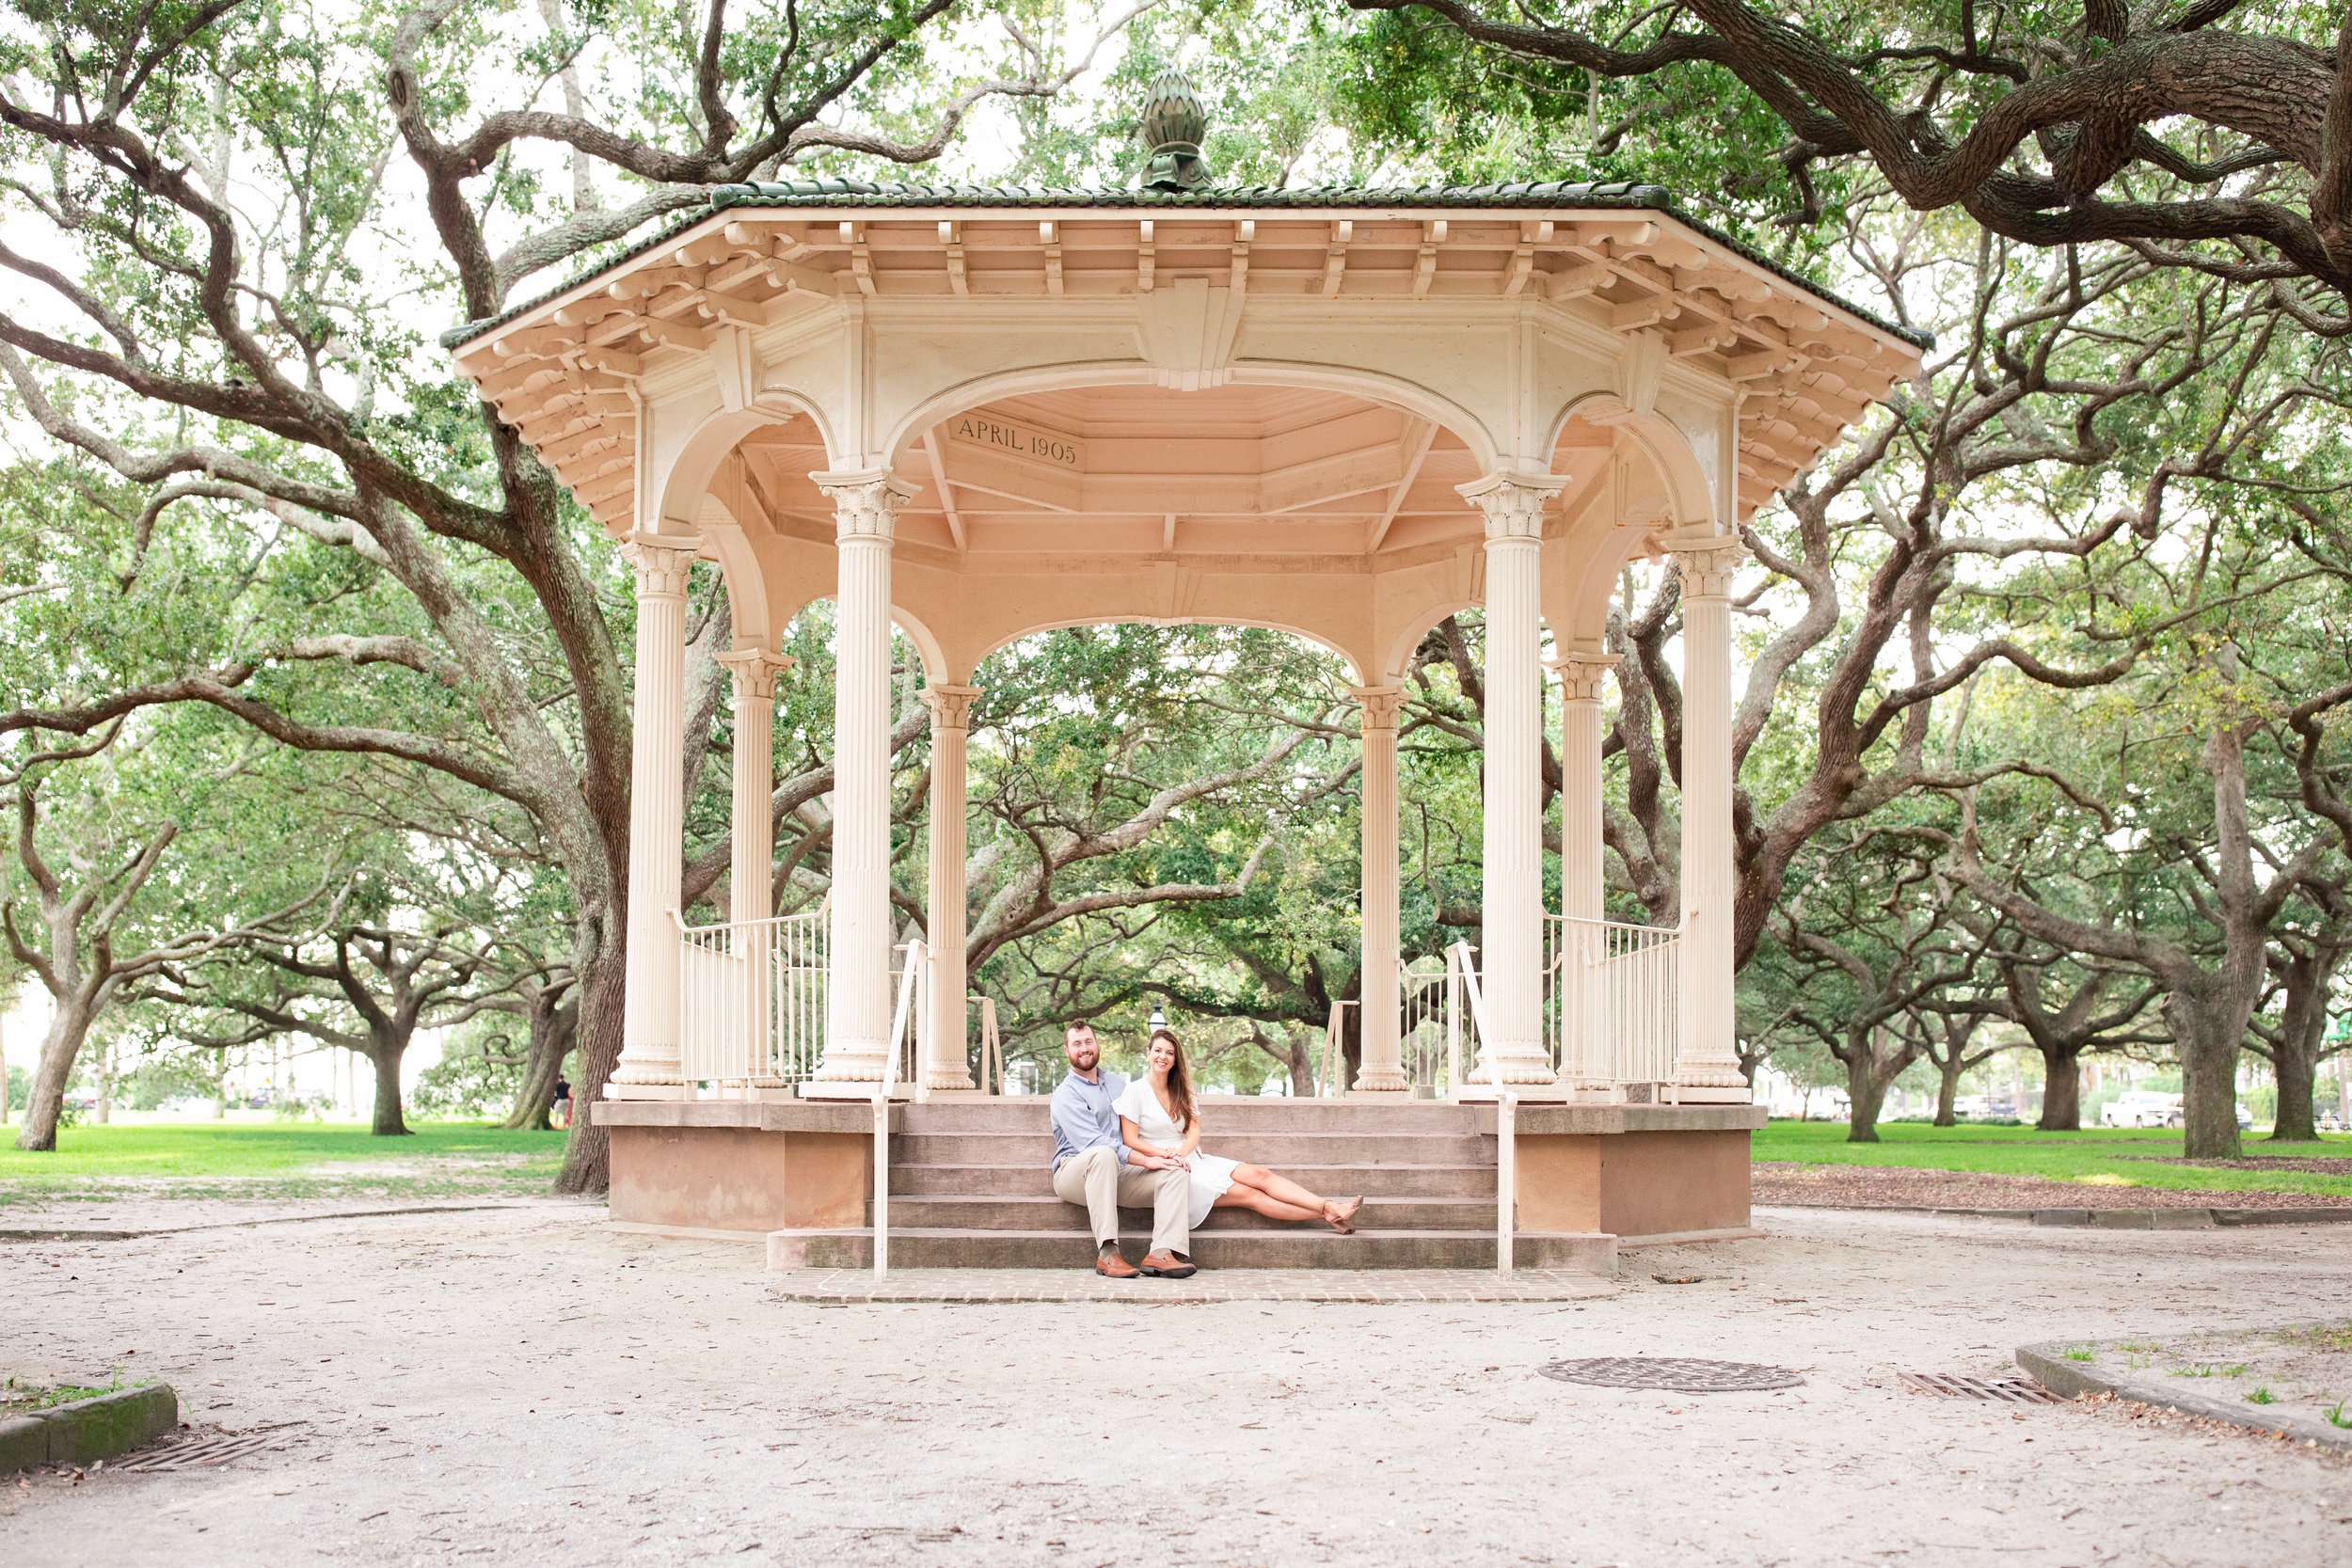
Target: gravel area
[
  {"x": 1909, "y": 1187},
  {"x": 526, "y": 1385}
]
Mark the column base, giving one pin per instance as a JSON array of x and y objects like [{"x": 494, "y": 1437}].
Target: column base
[
  {"x": 1484, "y": 1094},
  {"x": 1706, "y": 1094},
  {"x": 842, "y": 1088},
  {"x": 851, "y": 1062},
  {"x": 615, "y": 1089},
  {"x": 1400, "y": 1091},
  {"x": 949, "y": 1082}
]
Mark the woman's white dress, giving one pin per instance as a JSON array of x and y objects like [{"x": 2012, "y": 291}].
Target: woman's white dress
[{"x": 1211, "y": 1174}]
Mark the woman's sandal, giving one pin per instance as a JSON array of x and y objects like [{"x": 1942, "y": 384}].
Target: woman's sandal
[{"x": 1342, "y": 1218}]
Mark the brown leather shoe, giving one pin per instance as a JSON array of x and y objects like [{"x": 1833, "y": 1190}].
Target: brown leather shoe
[
  {"x": 1167, "y": 1265},
  {"x": 1113, "y": 1264}
]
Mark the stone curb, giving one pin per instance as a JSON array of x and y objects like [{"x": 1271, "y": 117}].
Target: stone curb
[
  {"x": 2101, "y": 1219},
  {"x": 2047, "y": 1364},
  {"x": 64, "y": 1234},
  {"x": 89, "y": 1430},
  {"x": 1364, "y": 1287}
]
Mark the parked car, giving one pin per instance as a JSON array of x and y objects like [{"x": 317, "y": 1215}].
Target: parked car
[{"x": 2141, "y": 1108}]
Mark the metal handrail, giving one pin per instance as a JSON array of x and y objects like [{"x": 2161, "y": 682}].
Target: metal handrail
[
  {"x": 992, "y": 1047},
  {"x": 918, "y": 958},
  {"x": 1506, "y": 1113}
]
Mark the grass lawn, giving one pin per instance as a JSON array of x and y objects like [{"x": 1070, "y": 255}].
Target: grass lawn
[
  {"x": 2102, "y": 1157},
  {"x": 289, "y": 1160}
]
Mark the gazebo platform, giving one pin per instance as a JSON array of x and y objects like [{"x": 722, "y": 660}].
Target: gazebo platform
[{"x": 970, "y": 1187}]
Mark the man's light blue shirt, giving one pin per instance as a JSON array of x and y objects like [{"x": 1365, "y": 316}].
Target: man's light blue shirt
[{"x": 1083, "y": 1118}]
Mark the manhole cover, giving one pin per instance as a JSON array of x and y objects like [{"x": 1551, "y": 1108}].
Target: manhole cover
[
  {"x": 1677, "y": 1374},
  {"x": 2010, "y": 1390},
  {"x": 201, "y": 1454}
]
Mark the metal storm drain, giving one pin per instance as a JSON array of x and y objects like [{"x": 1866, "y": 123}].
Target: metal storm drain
[
  {"x": 202, "y": 1453},
  {"x": 1679, "y": 1375},
  {"x": 2008, "y": 1390}
]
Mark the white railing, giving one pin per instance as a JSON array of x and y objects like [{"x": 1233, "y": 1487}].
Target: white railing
[
  {"x": 1334, "y": 1058},
  {"x": 1429, "y": 1032},
  {"x": 1461, "y": 960},
  {"x": 911, "y": 976},
  {"x": 991, "y": 1048},
  {"x": 1613, "y": 1008},
  {"x": 752, "y": 1001}
]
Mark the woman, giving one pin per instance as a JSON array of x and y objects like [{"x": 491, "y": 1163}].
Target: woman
[{"x": 1157, "y": 1115}]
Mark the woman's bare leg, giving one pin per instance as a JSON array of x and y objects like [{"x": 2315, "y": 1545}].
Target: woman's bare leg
[
  {"x": 1278, "y": 1187},
  {"x": 1239, "y": 1196}
]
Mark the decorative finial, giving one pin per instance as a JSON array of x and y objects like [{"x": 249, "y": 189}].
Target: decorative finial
[{"x": 1174, "y": 121}]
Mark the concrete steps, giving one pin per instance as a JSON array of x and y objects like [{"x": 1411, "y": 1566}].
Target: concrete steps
[
  {"x": 1276, "y": 1150},
  {"x": 1297, "y": 1249},
  {"x": 1373, "y": 1180},
  {"x": 1051, "y": 1213},
  {"x": 971, "y": 1188}
]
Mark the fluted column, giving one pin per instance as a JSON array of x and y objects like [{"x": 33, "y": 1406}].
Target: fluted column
[
  {"x": 1511, "y": 908},
  {"x": 1709, "y": 1067},
  {"x": 1581, "y": 677},
  {"x": 948, "y": 1065},
  {"x": 657, "y": 812},
  {"x": 857, "y": 994},
  {"x": 752, "y": 839},
  {"x": 1382, "y": 1068}
]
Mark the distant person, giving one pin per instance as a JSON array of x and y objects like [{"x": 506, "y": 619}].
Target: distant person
[
  {"x": 560, "y": 1104},
  {"x": 1093, "y": 1168},
  {"x": 1156, "y": 1115}
]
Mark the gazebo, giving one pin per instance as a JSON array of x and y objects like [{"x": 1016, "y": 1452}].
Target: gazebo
[{"x": 976, "y": 413}]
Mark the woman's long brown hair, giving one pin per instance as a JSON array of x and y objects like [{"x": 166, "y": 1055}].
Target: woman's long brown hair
[{"x": 1178, "y": 1076}]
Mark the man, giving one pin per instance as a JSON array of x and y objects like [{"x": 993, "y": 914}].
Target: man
[{"x": 1093, "y": 1166}]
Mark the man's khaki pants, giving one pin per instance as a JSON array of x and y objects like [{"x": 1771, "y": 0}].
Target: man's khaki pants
[{"x": 1095, "y": 1179}]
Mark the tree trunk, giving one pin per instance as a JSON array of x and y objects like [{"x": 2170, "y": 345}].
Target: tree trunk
[
  {"x": 2061, "y": 1089},
  {"x": 389, "y": 1122},
  {"x": 68, "y": 1027},
  {"x": 2296, "y": 1064},
  {"x": 552, "y": 1031},
  {"x": 1947, "y": 1089},
  {"x": 588, "y": 1153},
  {"x": 2208, "y": 1052},
  {"x": 1865, "y": 1090}
]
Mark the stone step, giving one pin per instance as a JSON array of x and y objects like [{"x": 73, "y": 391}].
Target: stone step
[
  {"x": 1237, "y": 1113},
  {"x": 1052, "y": 1213},
  {"x": 1387, "y": 1179},
  {"x": 1274, "y": 1151},
  {"x": 1228, "y": 1249}
]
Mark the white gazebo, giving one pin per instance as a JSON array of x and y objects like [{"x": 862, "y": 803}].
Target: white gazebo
[{"x": 975, "y": 413}]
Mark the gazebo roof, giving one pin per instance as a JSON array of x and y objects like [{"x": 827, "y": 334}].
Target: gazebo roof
[
  {"x": 1603, "y": 264},
  {"x": 860, "y": 195}
]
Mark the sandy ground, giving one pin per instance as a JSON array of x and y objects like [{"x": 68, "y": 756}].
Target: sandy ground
[{"x": 521, "y": 1384}]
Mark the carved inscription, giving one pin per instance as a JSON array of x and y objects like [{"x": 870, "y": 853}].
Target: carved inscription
[{"x": 1019, "y": 440}]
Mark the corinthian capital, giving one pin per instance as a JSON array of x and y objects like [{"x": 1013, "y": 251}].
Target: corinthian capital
[
  {"x": 662, "y": 561},
  {"x": 1378, "y": 705},
  {"x": 1582, "y": 675},
  {"x": 755, "y": 670},
  {"x": 1514, "y": 503},
  {"x": 865, "y": 501},
  {"x": 950, "y": 705},
  {"x": 1706, "y": 558}
]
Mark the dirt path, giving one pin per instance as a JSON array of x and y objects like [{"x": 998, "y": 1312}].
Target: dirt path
[{"x": 523, "y": 1385}]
